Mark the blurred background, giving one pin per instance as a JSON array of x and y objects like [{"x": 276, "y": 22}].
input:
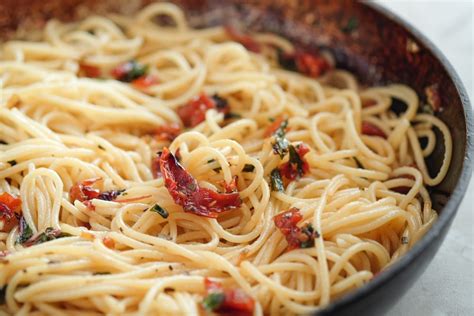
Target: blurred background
[{"x": 447, "y": 286}]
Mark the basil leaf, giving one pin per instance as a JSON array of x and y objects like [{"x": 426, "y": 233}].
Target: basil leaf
[
  {"x": 213, "y": 301},
  {"x": 277, "y": 182},
  {"x": 158, "y": 209},
  {"x": 25, "y": 231},
  {"x": 280, "y": 146}
]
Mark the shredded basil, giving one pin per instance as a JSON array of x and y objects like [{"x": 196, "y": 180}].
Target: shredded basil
[
  {"x": 110, "y": 195},
  {"x": 158, "y": 209},
  {"x": 25, "y": 231},
  {"x": 12, "y": 162},
  {"x": 296, "y": 160},
  {"x": 277, "y": 182},
  {"x": 280, "y": 146},
  {"x": 26, "y": 235},
  {"x": 213, "y": 301},
  {"x": 133, "y": 70},
  {"x": 248, "y": 168},
  {"x": 309, "y": 231}
]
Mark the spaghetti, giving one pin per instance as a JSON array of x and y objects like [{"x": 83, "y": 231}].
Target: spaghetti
[{"x": 157, "y": 170}]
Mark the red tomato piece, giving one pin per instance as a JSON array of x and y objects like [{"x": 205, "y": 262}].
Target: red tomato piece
[
  {"x": 296, "y": 166},
  {"x": 167, "y": 132},
  {"x": 236, "y": 301},
  {"x": 287, "y": 220},
  {"x": 246, "y": 40},
  {"x": 145, "y": 81},
  {"x": 212, "y": 286},
  {"x": 186, "y": 192},
  {"x": 231, "y": 186},
  {"x": 10, "y": 211},
  {"x": 296, "y": 237},
  {"x": 89, "y": 70},
  {"x": 310, "y": 64},
  {"x": 194, "y": 112},
  {"x": 84, "y": 191},
  {"x": 12, "y": 202},
  {"x": 271, "y": 129},
  {"x": 372, "y": 130}
]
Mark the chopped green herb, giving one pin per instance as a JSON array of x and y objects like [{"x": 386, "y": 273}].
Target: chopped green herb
[
  {"x": 351, "y": 25},
  {"x": 277, "y": 182},
  {"x": 158, "y": 209},
  {"x": 49, "y": 234},
  {"x": 211, "y": 161},
  {"x": 358, "y": 163},
  {"x": 129, "y": 71},
  {"x": 295, "y": 159},
  {"x": 12, "y": 162},
  {"x": 101, "y": 273},
  {"x": 217, "y": 170},
  {"x": 3, "y": 292},
  {"x": 25, "y": 231},
  {"x": 213, "y": 301},
  {"x": 311, "y": 233},
  {"x": 280, "y": 146},
  {"x": 248, "y": 168},
  {"x": 271, "y": 119},
  {"x": 2, "y": 142},
  {"x": 307, "y": 244}
]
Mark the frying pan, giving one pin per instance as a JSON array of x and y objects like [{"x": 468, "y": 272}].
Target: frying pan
[{"x": 365, "y": 39}]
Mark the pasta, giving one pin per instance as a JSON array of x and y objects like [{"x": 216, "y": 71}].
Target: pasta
[{"x": 201, "y": 171}]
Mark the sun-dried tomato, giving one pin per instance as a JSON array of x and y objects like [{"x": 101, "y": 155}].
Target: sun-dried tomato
[
  {"x": 194, "y": 112},
  {"x": 297, "y": 237},
  {"x": 296, "y": 166},
  {"x": 311, "y": 64},
  {"x": 227, "y": 301},
  {"x": 10, "y": 211},
  {"x": 185, "y": 190},
  {"x": 167, "y": 132}
]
